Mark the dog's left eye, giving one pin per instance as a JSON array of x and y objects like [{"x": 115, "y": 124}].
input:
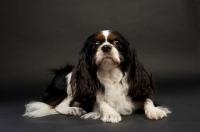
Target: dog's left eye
[{"x": 116, "y": 42}]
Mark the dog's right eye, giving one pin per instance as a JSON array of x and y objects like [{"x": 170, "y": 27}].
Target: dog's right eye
[{"x": 96, "y": 44}]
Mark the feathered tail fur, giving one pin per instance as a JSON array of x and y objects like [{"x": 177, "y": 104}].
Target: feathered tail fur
[{"x": 39, "y": 109}]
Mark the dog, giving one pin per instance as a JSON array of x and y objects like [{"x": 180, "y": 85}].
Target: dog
[{"x": 107, "y": 82}]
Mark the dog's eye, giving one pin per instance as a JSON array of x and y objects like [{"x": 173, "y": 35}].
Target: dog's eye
[
  {"x": 116, "y": 42},
  {"x": 96, "y": 44}
]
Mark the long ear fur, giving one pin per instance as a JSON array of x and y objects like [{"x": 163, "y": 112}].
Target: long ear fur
[
  {"x": 84, "y": 81},
  {"x": 141, "y": 83}
]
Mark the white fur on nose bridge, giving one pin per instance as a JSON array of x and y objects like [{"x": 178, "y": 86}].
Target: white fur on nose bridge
[{"x": 106, "y": 33}]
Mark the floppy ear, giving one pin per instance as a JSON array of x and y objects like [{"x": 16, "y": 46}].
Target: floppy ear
[
  {"x": 141, "y": 83},
  {"x": 84, "y": 81}
]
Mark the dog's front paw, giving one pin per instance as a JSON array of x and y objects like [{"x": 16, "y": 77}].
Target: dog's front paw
[
  {"x": 157, "y": 113},
  {"x": 111, "y": 117},
  {"x": 92, "y": 115},
  {"x": 75, "y": 111}
]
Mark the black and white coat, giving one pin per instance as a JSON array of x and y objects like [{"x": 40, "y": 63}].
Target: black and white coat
[{"x": 107, "y": 82}]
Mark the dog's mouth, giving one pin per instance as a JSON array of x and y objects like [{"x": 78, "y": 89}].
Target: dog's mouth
[{"x": 107, "y": 60}]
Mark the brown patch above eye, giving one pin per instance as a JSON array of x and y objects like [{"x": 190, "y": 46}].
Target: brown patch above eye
[
  {"x": 112, "y": 37},
  {"x": 100, "y": 37}
]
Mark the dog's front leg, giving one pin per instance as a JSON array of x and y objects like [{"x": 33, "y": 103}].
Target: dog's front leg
[
  {"x": 65, "y": 108},
  {"x": 108, "y": 114},
  {"x": 153, "y": 112}
]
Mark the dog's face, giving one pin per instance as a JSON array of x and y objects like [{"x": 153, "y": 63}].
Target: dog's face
[{"x": 107, "y": 48}]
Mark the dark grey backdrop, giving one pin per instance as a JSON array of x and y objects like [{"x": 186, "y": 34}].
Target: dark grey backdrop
[{"x": 38, "y": 35}]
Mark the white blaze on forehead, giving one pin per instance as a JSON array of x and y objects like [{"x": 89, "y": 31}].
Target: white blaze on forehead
[{"x": 106, "y": 33}]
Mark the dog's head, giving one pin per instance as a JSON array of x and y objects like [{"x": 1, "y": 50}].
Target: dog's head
[{"x": 106, "y": 48}]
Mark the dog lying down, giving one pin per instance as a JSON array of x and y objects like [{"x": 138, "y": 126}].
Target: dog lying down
[{"x": 107, "y": 81}]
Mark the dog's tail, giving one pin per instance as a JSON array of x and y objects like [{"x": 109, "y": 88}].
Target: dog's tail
[
  {"x": 39, "y": 109},
  {"x": 55, "y": 93}
]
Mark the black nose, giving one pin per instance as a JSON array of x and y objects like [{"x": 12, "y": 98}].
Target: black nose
[{"x": 106, "y": 48}]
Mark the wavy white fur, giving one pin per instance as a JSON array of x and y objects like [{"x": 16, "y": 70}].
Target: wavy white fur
[{"x": 39, "y": 109}]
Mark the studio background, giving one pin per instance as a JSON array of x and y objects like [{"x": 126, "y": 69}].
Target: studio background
[{"x": 38, "y": 35}]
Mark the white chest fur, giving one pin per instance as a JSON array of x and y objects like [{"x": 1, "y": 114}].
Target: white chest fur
[{"x": 116, "y": 90}]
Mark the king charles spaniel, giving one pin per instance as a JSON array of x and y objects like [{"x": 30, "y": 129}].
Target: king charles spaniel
[{"x": 107, "y": 82}]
